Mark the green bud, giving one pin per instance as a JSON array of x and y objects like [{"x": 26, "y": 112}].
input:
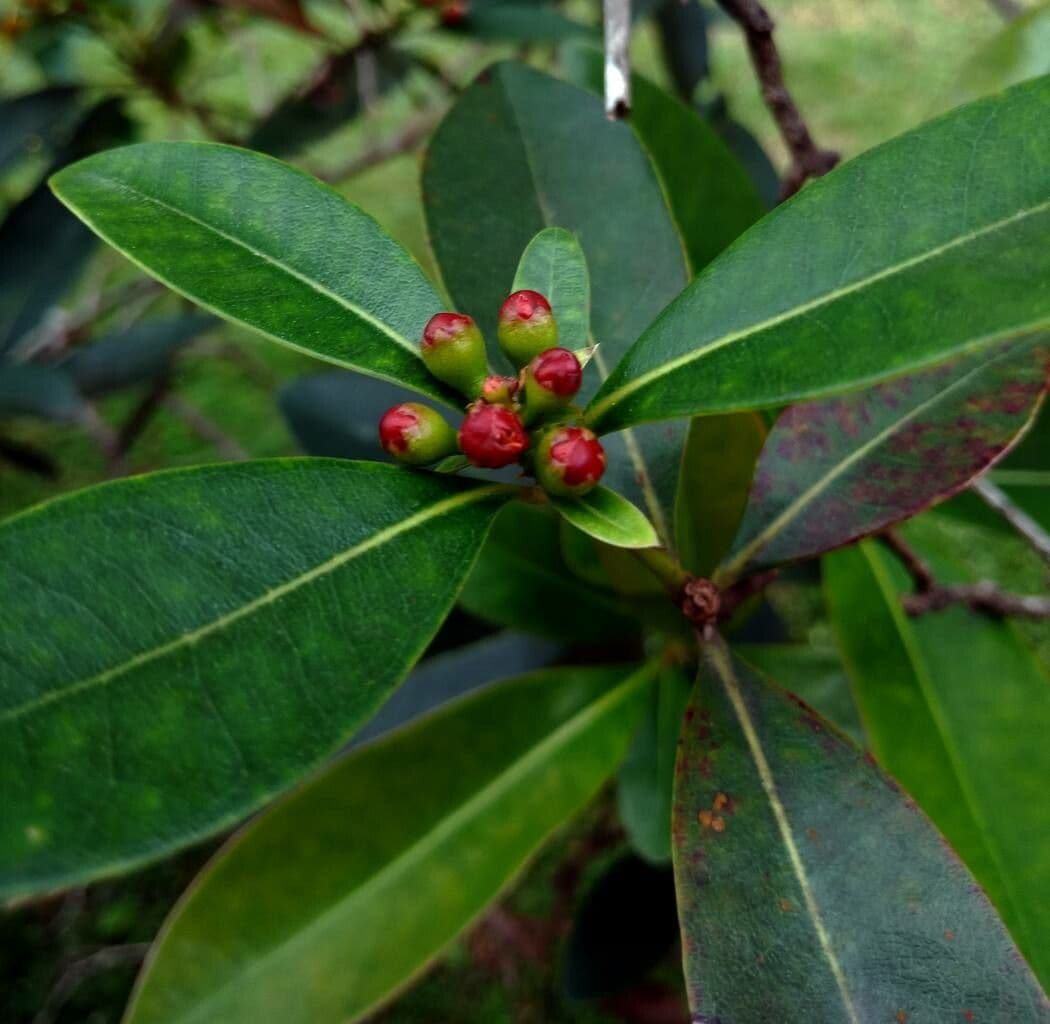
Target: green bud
[
  {"x": 416, "y": 434},
  {"x": 454, "y": 352},
  {"x": 526, "y": 327}
]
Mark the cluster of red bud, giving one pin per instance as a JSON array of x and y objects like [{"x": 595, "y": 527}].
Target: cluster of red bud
[
  {"x": 453, "y": 13},
  {"x": 524, "y": 419}
]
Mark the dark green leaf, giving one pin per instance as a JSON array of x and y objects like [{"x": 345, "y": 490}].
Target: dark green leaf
[
  {"x": 919, "y": 250},
  {"x": 180, "y": 647},
  {"x": 816, "y": 674},
  {"x": 537, "y": 172},
  {"x": 263, "y": 245},
  {"x": 683, "y": 39},
  {"x": 838, "y": 469},
  {"x": 42, "y": 391},
  {"x": 520, "y": 22},
  {"x": 959, "y": 710},
  {"x": 625, "y": 927},
  {"x": 328, "y": 903},
  {"x": 553, "y": 264},
  {"x": 521, "y": 581},
  {"x": 608, "y": 517},
  {"x": 647, "y": 777},
  {"x": 807, "y": 880},
  {"x": 139, "y": 353},
  {"x": 710, "y": 194},
  {"x": 718, "y": 462}
]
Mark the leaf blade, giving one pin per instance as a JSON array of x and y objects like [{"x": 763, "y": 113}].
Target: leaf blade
[
  {"x": 262, "y": 245},
  {"x": 203, "y": 683},
  {"x": 608, "y": 517}
]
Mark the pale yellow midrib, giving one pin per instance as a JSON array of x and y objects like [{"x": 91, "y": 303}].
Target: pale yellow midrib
[
  {"x": 269, "y": 597},
  {"x": 819, "y": 486},
  {"x": 765, "y": 774},
  {"x": 433, "y": 839},
  {"x": 595, "y": 411},
  {"x": 314, "y": 285}
]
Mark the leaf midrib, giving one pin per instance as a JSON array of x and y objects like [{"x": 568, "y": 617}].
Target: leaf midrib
[
  {"x": 430, "y": 841},
  {"x": 819, "y": 486},
  {"x": 195, "y": 636},
  {"x": 597, "y": 409}
]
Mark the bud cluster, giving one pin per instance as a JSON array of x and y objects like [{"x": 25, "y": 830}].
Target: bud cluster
[{"x": 527, "y": 419}]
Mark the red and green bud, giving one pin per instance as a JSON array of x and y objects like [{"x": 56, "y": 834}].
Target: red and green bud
[
  {"x": 454, "y": 352},
  {"x": 492, "y": 436},
  {"x": 551, "y": 381},
  {"x": 569, "y": 461},
  {"x": 454, "y": 13},
  {"x": 526, "y": 327},
  {"x": 499, "y": 390},
  {"x": 416, "y": 434}
]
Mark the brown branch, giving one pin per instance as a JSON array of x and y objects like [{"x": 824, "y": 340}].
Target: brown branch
[
  {"x": 983, "y": 597},
  {"x": 204, "y": 427},
  {"x": 404, "y": 141},
  {"x": 808, "y": 160}
]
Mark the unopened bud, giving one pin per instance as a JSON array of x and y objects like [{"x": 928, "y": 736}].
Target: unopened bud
[
  {"x": 454, "y": 352},
  {"x": 551, "y": 380},
  {"x": 569, "y": 461},
  {"x": 416, "y": 434},
  {"x": 526, "y": 327},
  {"x": 499, "y": 390},
  {"x": 492, "y": 436}
]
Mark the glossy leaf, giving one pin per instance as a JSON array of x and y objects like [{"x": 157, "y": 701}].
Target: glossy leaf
[
  {"x": 537, "y": 172},
  {"x": 718, "y": 462},
  {"x": 41, "y": 391},
  {"x": 1019, "y": 51},
  {"x": 553, "y": 264},
  {"x": 646, "y": 780},
  {"x": 625, "y": 926},
  {"x": 263, "y": 245},
  {"x": 807, "y": 879},
  {"x": 838, "y": 469},
  {"x": 521, "y": 582},
  {"x": 179, "y": 648},
  {"x": 816, "y": 674},
  {"x": 916, "y": 251},
  {"x": 139, "y": 353},
  {"x": 520, "y": 22},
  {"x": 712, "y": 199},
  {"x": 959, "y": 710},
  {"x": 683, "y": 39},
  {"x": 340, "y": 894},
  {"x": 608, "y": 517}
]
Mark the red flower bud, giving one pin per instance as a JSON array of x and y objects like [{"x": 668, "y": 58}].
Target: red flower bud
[
  {"x": 454, "y": 13},
  {"x": 526, "y": 326},
  {"x": 416, "y": 434},
  {"x": 454, "y": 352},
  {"x": 551, "y": 379},
  {"x": 499, "y": 390},
  {"x": 570, "y": 461},
  {"x": 492, "y": 436}
]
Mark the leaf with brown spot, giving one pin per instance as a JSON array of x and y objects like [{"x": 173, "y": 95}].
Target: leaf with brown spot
[
  {"x": 847, "y": 927},
  {"x": 838, "y": 469}
]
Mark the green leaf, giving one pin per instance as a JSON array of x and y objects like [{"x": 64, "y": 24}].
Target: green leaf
[
  {"x": 520, "y": 22},
  {"x": 521, "y": 582},
  {"x": 553, "y": 264},
  {"x": 261, "y": 244},
  {"x": 916, "y": 251},
  {"x": 179, "y": 648},
  {"x": 718, "y": 462},
  {"x": 535, "y": 171},
  {"x": 37, "y": 121},
  {"x": 1019, "y": 51},
  {"x": 646, "y": 779},
  {"x": 43, "y": 391},
  {"x": 712, "y": 199},
  {"x": 608, "y": 517},
  {"x": 140, "y": 353},
  {"x": 325, "y": 906},
  {"x": 838, "y": 469},
  {"x": 958, "y": 710},
  {"x": 816, "y": 674},
  {"x": 807, "y": 879}
]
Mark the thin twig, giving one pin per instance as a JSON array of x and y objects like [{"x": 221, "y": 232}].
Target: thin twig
[
  {"x": 808, "y": 160},
  {"x": 77, "y": 973},
  {"x": 417, "y": 129},
  {"x": 140, "y": 418},
  {"x": 204, "y": 427},
  {"x": 997, "y": 500},
  {"x": 984, "y": 597},
  {"x": 1009, "y": 9}
]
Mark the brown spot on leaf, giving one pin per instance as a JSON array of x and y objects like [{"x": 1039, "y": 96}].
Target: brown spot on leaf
[
  {"x": 786, "y": 905},
  {"x": 721, "y": 802},
  {"x": 901, "y": 1017},
  {"x": 969, "y": 1015},
  {"x": 950, "y": 935}
]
